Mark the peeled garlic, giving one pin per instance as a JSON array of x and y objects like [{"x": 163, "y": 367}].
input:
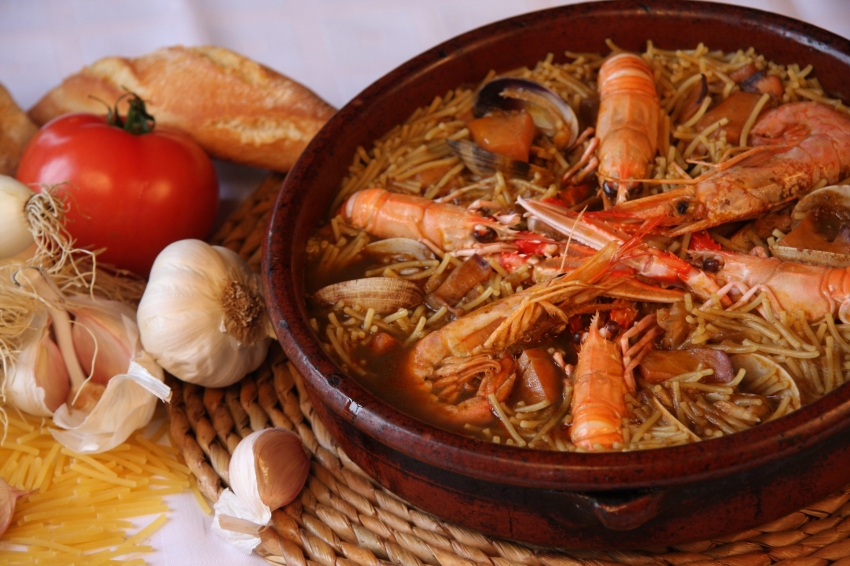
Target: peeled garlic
[
  {"x": 268, "y": 469},
  {"x": 202, "y": 316},
  {"x": 114, "y": 384}
]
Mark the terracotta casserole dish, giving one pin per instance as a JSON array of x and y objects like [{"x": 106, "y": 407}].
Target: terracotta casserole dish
[{"x": 626, "y": 500}]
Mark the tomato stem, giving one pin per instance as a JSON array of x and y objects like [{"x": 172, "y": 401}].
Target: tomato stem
[{"x": 137, "y": 121}]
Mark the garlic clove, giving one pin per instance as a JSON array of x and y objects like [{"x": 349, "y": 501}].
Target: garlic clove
[
  {"x": 202, "y": 315},
  {"x": 8, "y": 498},
  {"x": 38, "y": 381},
  {"x": 101, "y": 336},
  {"x": 99, "y": 417},
  {"x": 268, "y": 470},
  {"x": 281, "y": 466}
]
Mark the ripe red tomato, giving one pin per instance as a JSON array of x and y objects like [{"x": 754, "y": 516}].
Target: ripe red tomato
[{"x": 132, "y": 194}]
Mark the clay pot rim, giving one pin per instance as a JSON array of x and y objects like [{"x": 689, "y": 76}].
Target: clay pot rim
[{"x": 769, "y": 442}]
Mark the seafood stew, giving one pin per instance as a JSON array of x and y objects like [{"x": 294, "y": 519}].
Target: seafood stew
[{"x": 594, "y": 255}]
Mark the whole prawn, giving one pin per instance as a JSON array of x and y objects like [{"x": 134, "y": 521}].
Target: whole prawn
[
  {"x": 627, "y": 123},
  {"x": 480, "y": 340},
  {"x": 599, "y": 391},
  {"x": 800, "y": 146},
  {"x": 816, "y": 290},
  {"x": 386, "y": 214}
]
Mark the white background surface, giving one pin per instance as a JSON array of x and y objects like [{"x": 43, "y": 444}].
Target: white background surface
[{"x": 335, "y": 47}]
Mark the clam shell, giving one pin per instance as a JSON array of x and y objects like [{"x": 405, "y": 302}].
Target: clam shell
[
  {"x": 758, "y": 367},
  {"x": 831, "y": 196},
  {"x": 836, "y": 200},
  {"x": 384, "y": 294},
  {"x": 400, "y": 247}
]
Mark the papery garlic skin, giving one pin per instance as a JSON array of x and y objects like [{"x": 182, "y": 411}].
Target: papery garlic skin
[
  {"x": 104, "y": 334},
  {"x": 38, "y": 381},
  {"x": 127, "y": 404},
  {"x": 202, "y": 315},
  {"x": 268, "y": 469},
  {"x": 229, "y": 504}
]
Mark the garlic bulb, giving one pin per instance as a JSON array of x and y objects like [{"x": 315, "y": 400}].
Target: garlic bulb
[
  {"x": 202, "y": 316},
  {"x": 112, "y": 383},
  {"x": 268, "y": 469}
]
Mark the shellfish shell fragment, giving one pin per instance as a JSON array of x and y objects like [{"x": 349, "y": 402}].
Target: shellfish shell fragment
[
  {"x": 384, "y": 294},
  {"x": 821, "y": 234},
  {"x": 765, "y": 377},
  {"x": 550, "y": 112},
  {"x": 484, "y": 163},
  {"x": 813, "y": 257},
  {"x": 402, "y": 247}
]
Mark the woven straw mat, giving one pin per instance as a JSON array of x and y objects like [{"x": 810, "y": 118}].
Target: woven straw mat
[{"x": 342, "y": 518}]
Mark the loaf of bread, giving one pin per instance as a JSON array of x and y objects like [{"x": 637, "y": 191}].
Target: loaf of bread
[
  {"x": 235, "y": 108},
  {"x": 16, "y": 129}
]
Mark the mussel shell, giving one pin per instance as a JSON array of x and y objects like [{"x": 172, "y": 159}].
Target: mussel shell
[
  {"x": 384, "y": 294},
  {"x": 550, "y": 112},
  {"x": 485, "y": 163}
]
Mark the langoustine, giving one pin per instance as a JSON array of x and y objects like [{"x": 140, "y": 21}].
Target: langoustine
[
  {"x": 815, "y": 290},
  {"x": 598, "y": 404},
  {"x": 385, "y": 214},
  {"x": 627, "y": 124}
]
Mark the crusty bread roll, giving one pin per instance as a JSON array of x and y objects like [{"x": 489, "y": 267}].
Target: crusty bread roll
[
  {"x": 16, "y": 129},
  {"x": 235, "y": 108}
]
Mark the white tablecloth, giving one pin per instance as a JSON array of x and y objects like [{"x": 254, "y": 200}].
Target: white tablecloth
[{"x": 335, "y": 47}]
